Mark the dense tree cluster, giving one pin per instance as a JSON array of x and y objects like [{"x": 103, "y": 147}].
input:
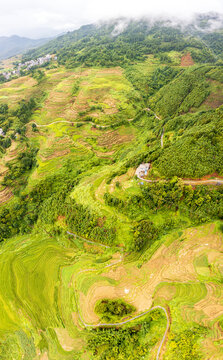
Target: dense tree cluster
[
  {"x": 122, "y": 343},
  {"x": 18, "y": 170},
  {"x": 110, "y": 310},
  {"x": 183, "y": 345},
  {"x": 144, "y": 234},
  {"x": 47, "y": 201},
  {"x": 200, "y": 205},
  {"x": 196, "y": 149},
  {"x": 187, "y": 91}
]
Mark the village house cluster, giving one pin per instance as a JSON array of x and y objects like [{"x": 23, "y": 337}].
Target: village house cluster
[{"x": 28, "y": 65}]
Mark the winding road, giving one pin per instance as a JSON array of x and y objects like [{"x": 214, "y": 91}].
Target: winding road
[
  {"x": 75, "y": 122},
  {"x": 122, "y": 322},
  {"x": 71, "y": 123},
  {"x": 215, "y": 182}
]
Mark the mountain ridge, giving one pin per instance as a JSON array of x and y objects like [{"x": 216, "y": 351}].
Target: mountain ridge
[
  {"x": 123, "y": 40},
  {"x": 15, "y": 45}
]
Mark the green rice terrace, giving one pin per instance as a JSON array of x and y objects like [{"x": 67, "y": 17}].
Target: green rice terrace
[{"x": 100, "y": 260}]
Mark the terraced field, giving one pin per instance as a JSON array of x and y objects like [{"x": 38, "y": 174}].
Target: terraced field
[
  {"x": 40, "y": 277},
  {"x": 91, "y": 129},
  {"x": 16, "y": 90},
  {"x": 96, "y": 93}
]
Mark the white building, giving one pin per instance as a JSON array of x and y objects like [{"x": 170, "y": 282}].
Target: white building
[{"x": 142, "y": 170}]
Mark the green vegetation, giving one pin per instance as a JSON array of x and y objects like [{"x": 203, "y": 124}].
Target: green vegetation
[
  {"x": 132, "y": 342},
  {"x": 196, "y": 148},
  {"x": 83, "y": 240},
  {"x": 184, "y": 345},
  {"x": 38, "y": 75},
  {"x": 107, "y": 46},
  {"x": 111, "y": 310},
  {"x": 18, "y": 172},
  {"x": 187, "y": 91}
]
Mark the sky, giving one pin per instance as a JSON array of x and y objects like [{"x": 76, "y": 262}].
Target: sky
[{"x": 45, "y": 18}]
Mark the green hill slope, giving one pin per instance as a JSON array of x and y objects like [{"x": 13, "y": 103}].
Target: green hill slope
[
  {"x": 106, "y": 45},
  {"x": 79, "y": 229}
]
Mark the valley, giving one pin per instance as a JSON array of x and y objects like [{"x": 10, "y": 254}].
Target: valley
[{"x": 79, "y": 225}]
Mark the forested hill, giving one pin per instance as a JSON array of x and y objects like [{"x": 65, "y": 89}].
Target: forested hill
[
  {"x": 13, "y": 45},
  {"x": 123, "y": 41}
]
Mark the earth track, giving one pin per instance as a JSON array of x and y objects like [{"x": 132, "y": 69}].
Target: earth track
[{"x": 215, "y": 182}]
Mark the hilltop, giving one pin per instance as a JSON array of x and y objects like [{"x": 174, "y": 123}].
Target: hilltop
[{"x": 100, "y": 260}]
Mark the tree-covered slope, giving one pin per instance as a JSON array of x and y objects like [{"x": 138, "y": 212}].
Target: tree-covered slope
[{"x": 124, "y": 41}]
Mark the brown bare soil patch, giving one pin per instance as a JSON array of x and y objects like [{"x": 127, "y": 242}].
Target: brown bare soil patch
[
  {"x": 61, "y": 218},
  {"x": 113, "y": 138},
  {"x": 210, "y": 305},
  {"x": 75, "y": 319},
  {"x": 213, "y": 175},
  {"x": 211, "y": 350},
  {"x": 122, "y": 179},
  {"x": 116, "y": 273},
  {"x": 96, "y": 292},
  {"x": 166, "y": 293},
  {"x": 12, "y": 152},
  {"x": 67, "y": 343},
  {"x": 110, "y": 71},
  {"x": 101, "y": 221},
  {"x": 55, "y": 147},
  {"x": 56, "y": 154},
  {"x": 5, "y": 195},
  {"x": 187, "y": 60},
  {"x": 44, "y": 356},
  {"x": 215, "y": 99},
  {"x": 25, "y": 81}
]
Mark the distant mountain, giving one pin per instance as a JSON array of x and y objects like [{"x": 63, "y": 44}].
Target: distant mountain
[
  {"x": 123, "y": 41},
  {"x": 13, "y": 45}
]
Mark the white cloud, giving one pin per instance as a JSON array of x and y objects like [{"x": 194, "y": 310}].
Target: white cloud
[{"x": 44, "y": 17}]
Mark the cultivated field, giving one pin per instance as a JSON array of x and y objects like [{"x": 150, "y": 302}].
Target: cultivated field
[
  {"x": 45, "y": 282},
  {"x": 91, "y": 128}
]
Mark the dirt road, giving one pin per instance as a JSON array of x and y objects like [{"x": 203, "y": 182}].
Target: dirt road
[{"x": 215, "y": 182}]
